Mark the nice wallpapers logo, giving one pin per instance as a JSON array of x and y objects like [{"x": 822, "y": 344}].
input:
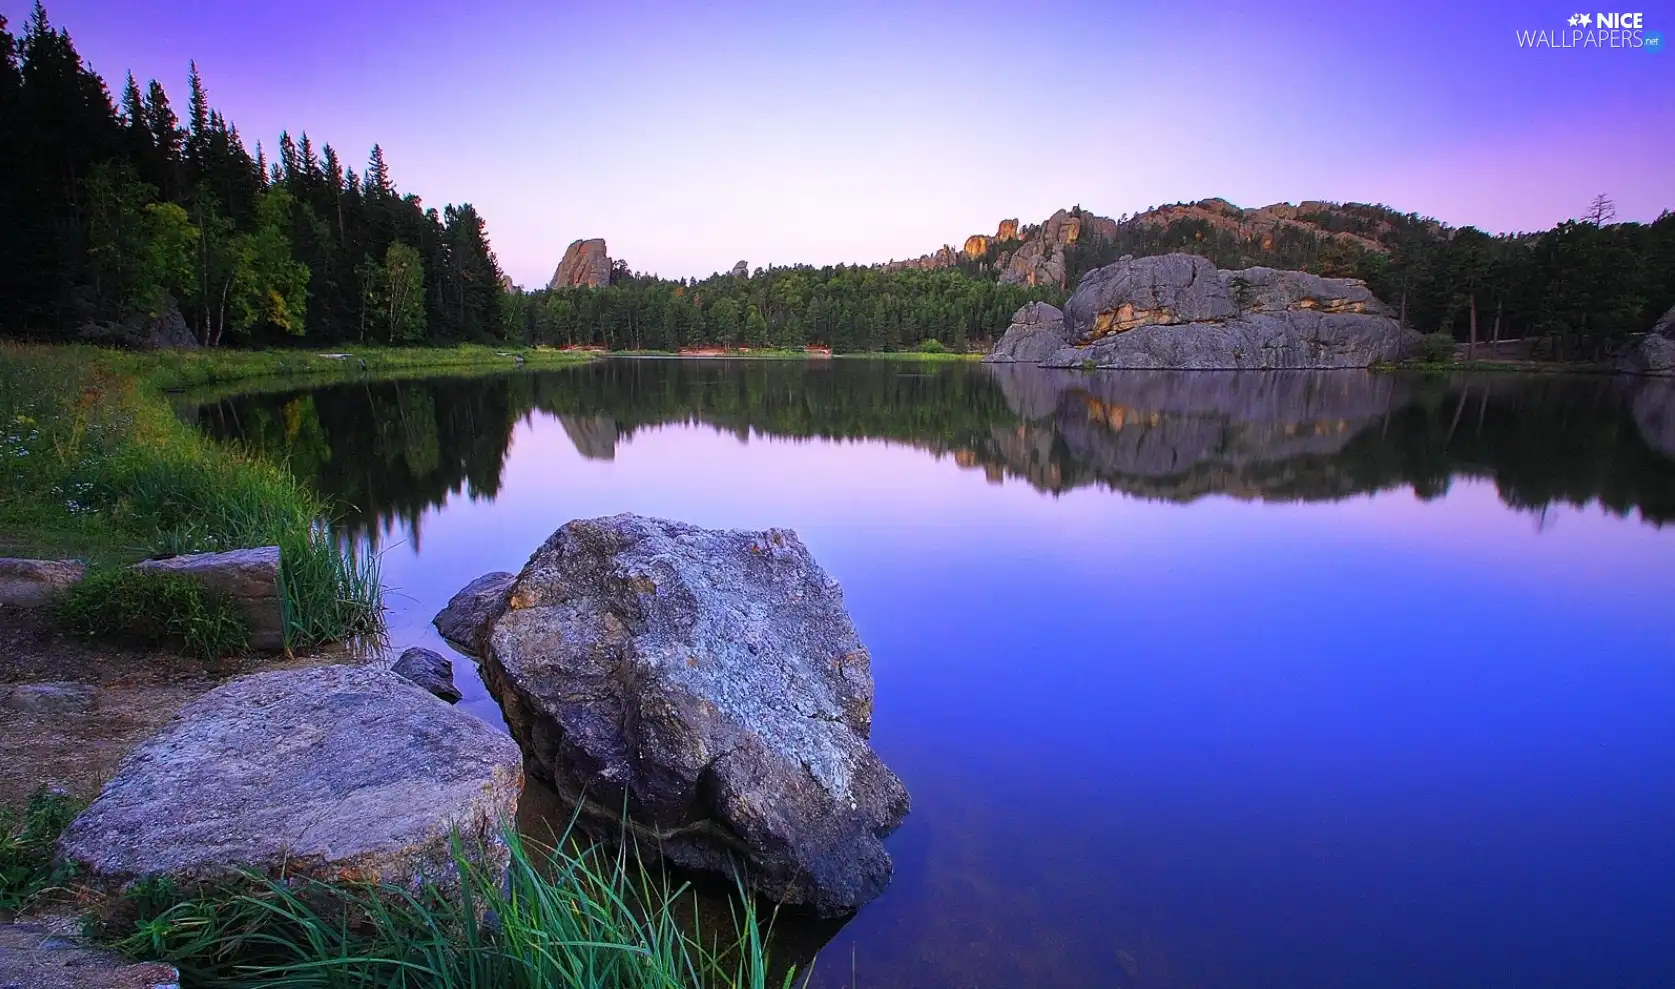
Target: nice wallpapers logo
[{"x": 1597, "y": 30}]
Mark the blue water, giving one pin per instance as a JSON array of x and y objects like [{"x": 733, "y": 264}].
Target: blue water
[{"x": 1359, "y": 738}]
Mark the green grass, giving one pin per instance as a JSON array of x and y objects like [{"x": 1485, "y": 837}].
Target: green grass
[
  {"x": 27, "y": 839},
  {"x": 180, "y": 369},
  {"x": 575, "y": 916},
  {"x": 155, "y": 609},
  {"x": 95, "y": 465}
]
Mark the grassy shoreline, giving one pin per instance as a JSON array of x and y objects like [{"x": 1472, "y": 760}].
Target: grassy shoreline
[{"x": 96, "y": 466}]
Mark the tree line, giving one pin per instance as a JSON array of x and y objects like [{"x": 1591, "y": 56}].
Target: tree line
[
  {"x": 119, "y": 213},
  {"x": 848, "y": 308}
]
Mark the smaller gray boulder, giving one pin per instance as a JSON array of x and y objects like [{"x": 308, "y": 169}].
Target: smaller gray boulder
[
  {"x": 36, "y": 583},
  {"x": 249, "y": 576},
  {"x": 472, "y": 610},
  {"x": 329, "y": 773},
  {"x": 430, "y": 670},
  {"x": 57, "y": 697},
  {"x": 1037, "y": 332},
  {"x": 36, "y": 956}
]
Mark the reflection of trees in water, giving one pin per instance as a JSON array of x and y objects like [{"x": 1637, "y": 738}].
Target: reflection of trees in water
[{"x": 386, "y": 451}]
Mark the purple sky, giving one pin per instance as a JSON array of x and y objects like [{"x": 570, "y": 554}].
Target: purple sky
[{"x": 691, "y": 135}]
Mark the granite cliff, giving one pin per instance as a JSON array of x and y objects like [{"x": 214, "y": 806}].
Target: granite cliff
[
  {"x": 585, "y": 263},
  {"x": 1179, "y": 311},
  {"x": 1037, "y": 254}
]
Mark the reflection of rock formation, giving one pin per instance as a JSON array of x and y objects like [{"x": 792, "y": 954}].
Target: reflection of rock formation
[
  {"x": 595, "y": 436},
  {"x": 1654, "y": 413},
  {"x": 1205, "y": 431}
]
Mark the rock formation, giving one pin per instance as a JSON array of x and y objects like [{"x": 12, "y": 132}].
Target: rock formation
[
  {"x": 1653, "y": 353},
  {"x": 1178, "y": 311},
  {"x": 741, "y": 270},
  {"x": 712, "y": 683},
  {"x": 585, "y": 263},
  {"x": 328, "y": 773},
  {"x": 165, "y": 331}
]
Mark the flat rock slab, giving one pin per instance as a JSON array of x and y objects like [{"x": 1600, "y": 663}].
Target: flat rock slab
[
  {"x": 249, "y": 576},
  {"x": 712, "y": 683},
  {"x": 36, "y": 583},
  {"x": 331, "y": 772},
  {"x": 56, "y": 697},
  {"x": 34, "y": 957}
]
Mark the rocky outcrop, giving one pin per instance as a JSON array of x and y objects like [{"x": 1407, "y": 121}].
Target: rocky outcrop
[
  {"x": 473, "y": 609},
  {"x": 331, "y": 772},
  {"x": 430, "y": 670},
  {"x": 167, "y": 330},
  {"x": 36, "y": 583},
  {"x": 585, "y": 263},
  {"x": 741, "y": 270},
  {"x": 1037, "y": 333},
  {"x": 250, "y": 577},
  {"x": 1178, "y": 311},
  {"x": 1653, "y": 353},
  {"x": 34, "y": 955},
  {"x": 712, "y": 683}
]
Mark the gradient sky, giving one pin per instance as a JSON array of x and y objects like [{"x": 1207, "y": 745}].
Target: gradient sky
[{"x": 691, "y": 135}]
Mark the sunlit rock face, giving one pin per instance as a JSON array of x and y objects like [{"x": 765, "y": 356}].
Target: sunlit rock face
[
  {"x": 585, "y": 263},
  {"x": 1179, "y": 311}
]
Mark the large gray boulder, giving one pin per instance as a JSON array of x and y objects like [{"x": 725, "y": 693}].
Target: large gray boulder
[
  {"x": 250, "y": 577},
  {"x": 711, "y": 683},
  {"x": 1178, "y": 311},
  {"x": 167, "y": 330},
  {"x": 329, "y": 772},
  {"x": 1037, "y": 333}
]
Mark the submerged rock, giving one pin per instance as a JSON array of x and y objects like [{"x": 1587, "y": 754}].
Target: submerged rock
[
  {"x": 331, "y": 772},
  {"x": 711, "y": 682},
  {"x": 430, "y": 670},
  {"x": 471, "y": 610},
  {"x": 1178, "y": 311}
]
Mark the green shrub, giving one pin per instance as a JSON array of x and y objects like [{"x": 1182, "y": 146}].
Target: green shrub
[
  {"x": 155, "y": 609},
  {"x": 574, "y": 917},
  {"x": 27, "y": 839},
  {"x": 1435, "y": 348},
  {"x": 932, "y": 346}
]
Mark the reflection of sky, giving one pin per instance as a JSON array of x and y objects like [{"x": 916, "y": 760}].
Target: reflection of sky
[
  {"x": 1378, "y": 742},
  {"x": 693, "y": 135}
]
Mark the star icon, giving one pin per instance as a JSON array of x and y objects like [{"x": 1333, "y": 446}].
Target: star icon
[
  {"x": 1575, "y": 19},
  {"x": 1586, "y": 20}
]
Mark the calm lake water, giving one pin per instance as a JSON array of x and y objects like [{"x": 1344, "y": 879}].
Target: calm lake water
[{"x": 1197, "y": 680}]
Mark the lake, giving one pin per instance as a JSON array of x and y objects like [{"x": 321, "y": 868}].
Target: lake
[{"x": 1197, "y": 679}]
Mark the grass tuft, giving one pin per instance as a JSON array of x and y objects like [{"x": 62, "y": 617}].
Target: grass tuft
[
  {"x": 150, "y": 608},
  {"x": 27, "y": 840},
  {"x": 571, "y": 916}
]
